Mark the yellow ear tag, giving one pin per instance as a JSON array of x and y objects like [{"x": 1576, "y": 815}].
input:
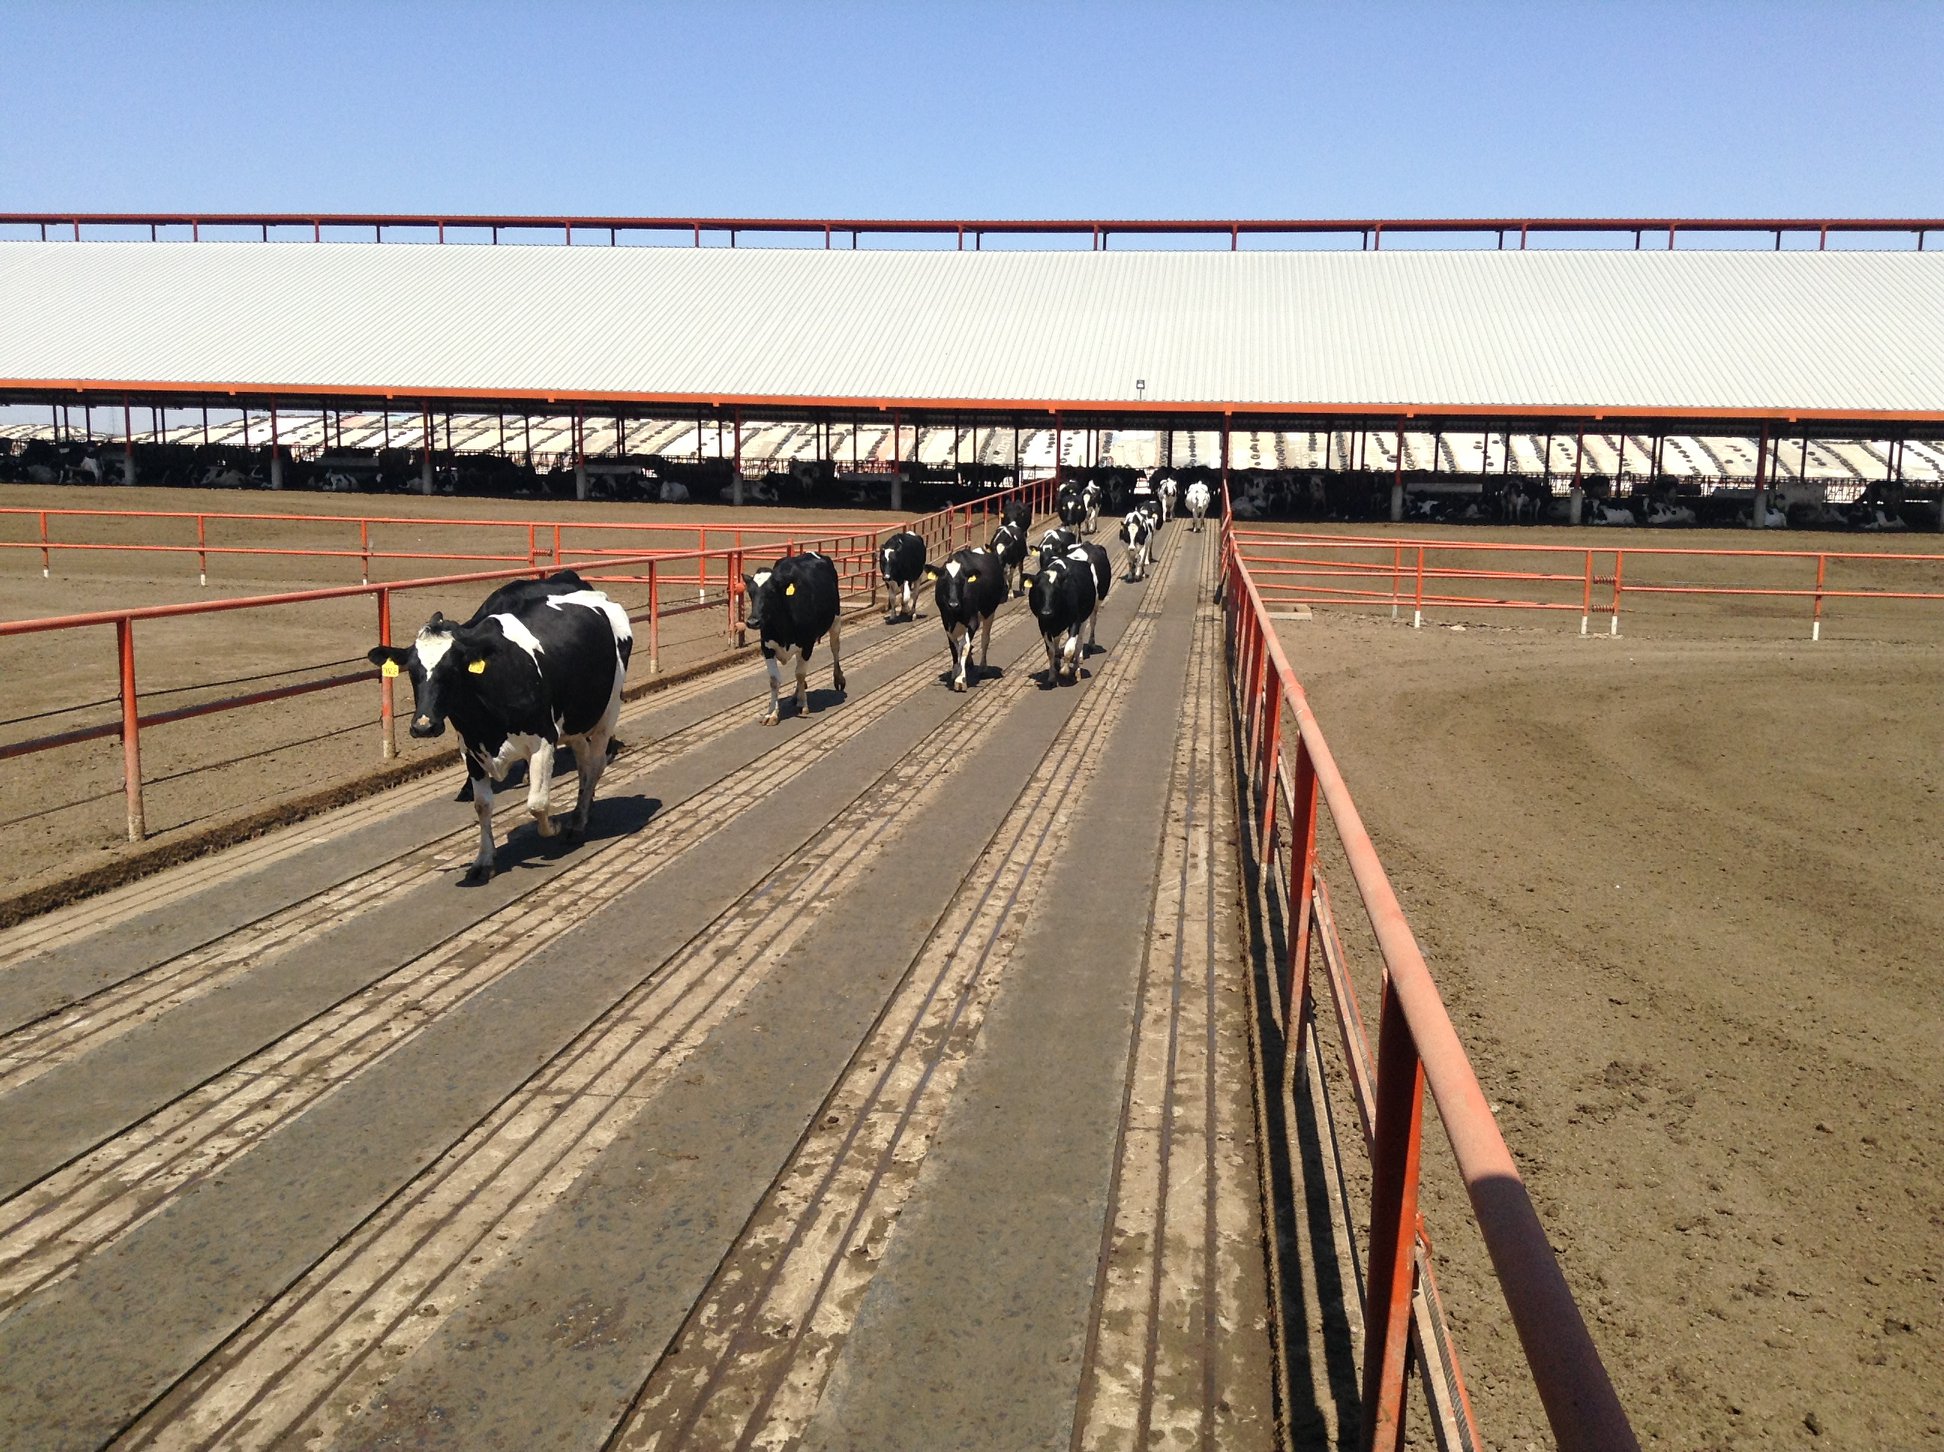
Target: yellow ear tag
[
  {"x": 477, "y": 668},
  {"x": 388, "y": 669},
  {"x": 789, "y": 589},
  {"x": 972, "y": 579}
]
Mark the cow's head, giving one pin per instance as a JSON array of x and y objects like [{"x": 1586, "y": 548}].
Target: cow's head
[
  {"x": 953, "y": 581},
  {"x": 438, "y": 662},
  {"x": 762, "y": 600}
]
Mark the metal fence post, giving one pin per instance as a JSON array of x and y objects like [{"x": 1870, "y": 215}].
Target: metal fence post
[
  {"x": 364, "y": 553},
  {"x": 131, "y": 730},
  {"x": 1302, "y": 887},
  {"x": 1822, "y": 566},
  {"x": 1417, "y": 603},
  {"x": 1393, "y": 1224},
  {"x": 654, "y": 621},
  {"x": 202, "y": 550},
  {"x": 1613, "y": 621},
  {"x": 46, "y": 556},
  {"x": 387, "y": 724}
]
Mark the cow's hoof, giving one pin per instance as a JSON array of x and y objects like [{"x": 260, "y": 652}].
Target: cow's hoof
[
  {"x": 959, "y": 686},
  {"x": 545, "y": 827},
  {"x": 478, "y": 875},
  {"x": 572, "y": 835},
  {"x": 772, "y": 718},
  {"x": 838, "y": 682}
]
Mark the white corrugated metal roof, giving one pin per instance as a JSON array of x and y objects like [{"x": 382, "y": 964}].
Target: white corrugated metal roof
[{"x": 1842, "y": 332}]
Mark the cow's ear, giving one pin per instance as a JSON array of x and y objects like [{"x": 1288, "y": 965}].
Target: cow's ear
[
  {"x": 749, "y": 584},
  {"x": 930, "y": 575},
  {"x": 438, "y": 619},
  {"x": 388, "y": 655}
]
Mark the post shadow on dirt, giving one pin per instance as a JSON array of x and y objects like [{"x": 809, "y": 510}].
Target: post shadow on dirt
[{"x": 1296, "y": 1196}]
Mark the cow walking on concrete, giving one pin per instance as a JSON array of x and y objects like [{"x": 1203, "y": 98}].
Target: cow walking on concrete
[
  {"x": 540, "y": 665},
  {"x": 901, "y": 560},
  {"x": 1009, "y": 544},
  {"x": 790, "y": 607},
  {"x": 1061, "y": 598},
  {"x": 970, "y": 587},
  {"x": 1197, "y": 501},
  {"x": 1094, "y": 557},
  {"x": 1137, "y": 533}
]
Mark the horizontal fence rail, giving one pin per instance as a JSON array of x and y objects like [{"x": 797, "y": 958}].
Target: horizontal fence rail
[
  {"x": 1290, "y": 775},
  {"x": 554, "y": 227},
  {"x": 677, "y": 581},
  {"x": 1422, "y": 575}
]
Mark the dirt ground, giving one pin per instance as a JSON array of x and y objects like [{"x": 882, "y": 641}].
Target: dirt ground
[
  {"x": 1681, "y": 891},
  {"x": 65, "y": 808}
]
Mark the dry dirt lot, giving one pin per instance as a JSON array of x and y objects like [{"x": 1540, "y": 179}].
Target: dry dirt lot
[
  {"x": 65, "y": 809},
  {"x": 1682, "y": 893}
]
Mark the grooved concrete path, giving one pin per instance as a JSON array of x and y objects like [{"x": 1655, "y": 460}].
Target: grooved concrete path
[{"x": 876, "y": 1081}]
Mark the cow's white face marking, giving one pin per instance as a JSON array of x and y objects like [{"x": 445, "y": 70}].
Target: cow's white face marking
[
  {"x": 595, "y": 600},
  {"x": 762, "y": 577},
  {"x": 514, "y": 629},
  {"x": 952, "y": 568},
  {"x": 431, "y": 646}
]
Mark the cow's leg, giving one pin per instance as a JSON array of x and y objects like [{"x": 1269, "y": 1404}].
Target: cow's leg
[
  {"x": 1052, "y": 661},
  {"x": 776, "y": 686},
  {"x": 802, "y": 684},
  {"x": 590, "y": 756},
  {"x": 985, "y": 642},
  {"x": 836, "y": 661},
  {"x": 482, "y": 868},
  {"x": 961, "y": 640},
  {"x": 540, "y": 765},
  {"x": 1092, "y": 621},
  {"x": 1070, "y": 654}
]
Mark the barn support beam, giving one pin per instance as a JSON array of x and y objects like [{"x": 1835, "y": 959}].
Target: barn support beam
[
  {"x": 425, "y": 451},
  {"x": 276, "y": 451},
  {"x": 1576, "y": 501},
  {"x": 580, "y": 454},
  {"x": 1758, "y": 516},
  {"x": 128, "y": 443},
  {"x": 897, "y": 463},
  {"x": 735, "y": 464},
  {"x": 1397, "y": 479}
]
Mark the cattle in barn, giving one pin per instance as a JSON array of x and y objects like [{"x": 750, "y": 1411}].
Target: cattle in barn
[
  {"x": 1666, "y": 511},
  {"x": 1071, "y": 506},
  {"x": 901, "y": 560},
  {"x": 539, "y": 665},
  {"x": 1009, "y": 544},
  {"x": 1062, "y": 598},
  {"x": 1090, "y": 497},
  {"x": 1197, "y": 501},
  {"x": 1598, "y": 511},
  {"x": 790, "y": 607},
  {"x": 969, "y": 589},
  {"x": 1137, "y": 533},
  {"x": 1055, "y": 542},
  {"x": 1167, "y": 493}
]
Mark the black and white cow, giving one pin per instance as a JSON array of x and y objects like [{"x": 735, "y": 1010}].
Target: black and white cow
[
  {"x": 1071, "y": 506},
  {"x": 1062, "y": 598},
  {"x": 790, "y": 607},
  {"x": 1055, "y": 542},
  {"x": 540, "y": 665},
  {"x": 1167, "y": 493},
  {"x": 1137, "y": 533},
  {"x": 1197, "y": 500},
  {"x": 901, "y": 560},
  {"x": 1009, "y": 544},
  {"x": 970, "y": 588},
  {"x": 1018, "y": 512},
  {"x": 1095, "y": 559},
  {"x": 1090, "y": 497}
]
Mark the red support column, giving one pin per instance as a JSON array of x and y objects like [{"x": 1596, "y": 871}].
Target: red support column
[
  {"x": 1393, "y": 1228},
  {"x": 131, "y": 730}
]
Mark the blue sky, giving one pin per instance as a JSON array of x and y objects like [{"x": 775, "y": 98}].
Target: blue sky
[{"x": 964, "y": 110}]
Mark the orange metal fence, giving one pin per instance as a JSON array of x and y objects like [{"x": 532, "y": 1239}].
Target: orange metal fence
[
  {"x": 1293, "y": 778},
  {"x": 714, "y": 575},
  {"x": 1434, "y": 574}
]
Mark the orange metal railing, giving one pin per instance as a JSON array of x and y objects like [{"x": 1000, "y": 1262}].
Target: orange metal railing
[
  {"x": 1422, "y": 575},
  {"x": 714, "y": 575},
  {"x": 1290, "y": 775}
]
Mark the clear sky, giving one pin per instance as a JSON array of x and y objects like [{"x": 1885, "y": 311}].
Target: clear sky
[{"x": 1009, "y": 110}]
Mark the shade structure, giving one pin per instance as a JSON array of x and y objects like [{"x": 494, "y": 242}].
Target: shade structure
[{"x": 1745, "y": 334}]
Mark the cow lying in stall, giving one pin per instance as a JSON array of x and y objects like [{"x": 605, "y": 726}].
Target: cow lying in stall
[
  {"x": 539, "y": 665},
  {"x": 790, "y": 607}
]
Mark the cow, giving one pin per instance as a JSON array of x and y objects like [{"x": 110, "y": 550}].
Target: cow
[
  {"x": 969, "y": 589},
  {"x": 1061, "y": 597},
  {"x": 1137, "y": 533},
  {"x": 1071, "y": 506},
  {"x": 1197, "y": 502},
  {"x": 1167, "y": 492},
  {"x": 1018, "y": 512},
  {"x": 1055, "y": 542},
  {"x": 1090, "y": 497},
  {"x": 539, "y": 665},
  {"x": 789, "y": 608},
  {"x": 1009, "y": 544},
  {"x": 1087, "y": 553},
  {"x": 901, "y": 560}
]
